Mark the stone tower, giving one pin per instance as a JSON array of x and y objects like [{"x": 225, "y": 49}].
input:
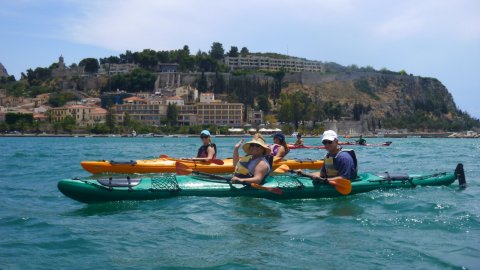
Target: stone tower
[{"x": 61, "y": 64}]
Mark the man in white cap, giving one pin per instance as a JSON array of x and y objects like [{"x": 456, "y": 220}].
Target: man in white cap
[{"x": 337, "y": 163}]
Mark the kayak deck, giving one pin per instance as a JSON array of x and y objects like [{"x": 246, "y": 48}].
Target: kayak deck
[
  {"x": 167, "y": 165},
  {"x": 116, "y": 188}
]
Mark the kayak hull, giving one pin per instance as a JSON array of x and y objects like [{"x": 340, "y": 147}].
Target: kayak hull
[
  {"x": 98, "y": 188},
  {"x": 166, "y": 165}
]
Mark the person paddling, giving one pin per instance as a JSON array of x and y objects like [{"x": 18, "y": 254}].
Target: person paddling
[
  {"x": 337, "y": 163},
  {"x": 361, "y": 141},
  {"x": 299, "y": 141},
  {"x": 208, "y": 150},
  {"x": 255, "y": 166},
  {"x": 279, "y": 147}
]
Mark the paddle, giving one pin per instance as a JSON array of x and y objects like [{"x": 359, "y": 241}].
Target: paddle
[
  {"x": 282, "y": 169},
  {"x": 210, "y": 161},
  {"x": 342, "y": 185},
  {"x": 183, "y": 169}
]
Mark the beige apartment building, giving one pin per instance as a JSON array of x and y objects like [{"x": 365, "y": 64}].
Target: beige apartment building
[
  {"x": 269, "y": 63},
  {"x": 187, "y": 115},
  {"x": 222, "y": 114},
  {"x": 84, "y": 115},
  {"x": 149, "y": 114}
]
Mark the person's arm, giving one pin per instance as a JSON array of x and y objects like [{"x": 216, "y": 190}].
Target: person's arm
[
  {"x": 236, "y": 155},
  {"x": 280, "y": 152},
  {"x": 261, "y": 171}
]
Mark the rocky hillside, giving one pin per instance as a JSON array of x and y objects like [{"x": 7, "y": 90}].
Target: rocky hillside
[
  {"x": 3, "y": 71},
  {"x": 388, "y": 95}
]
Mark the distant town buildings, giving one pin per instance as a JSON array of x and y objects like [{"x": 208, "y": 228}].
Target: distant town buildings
[
  {"x": 270, "y": 63},
  {"x": 85, "y": 116},
  {"x": 188, "y": 93},
  {"x": 175, "y": 100},
  {"x": 113, "y": 69},
  {"x": 140, "y": 111}
]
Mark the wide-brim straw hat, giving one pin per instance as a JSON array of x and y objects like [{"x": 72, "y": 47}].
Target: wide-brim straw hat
[{"x": 257, "y": 139}]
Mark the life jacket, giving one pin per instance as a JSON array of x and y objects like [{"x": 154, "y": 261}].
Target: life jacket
[
  {"x": 274, "y": 149},
  {"x": 331, "y": 166},
  {"x": 202, "y": 151},
  {"x": 246, "y": 166}
]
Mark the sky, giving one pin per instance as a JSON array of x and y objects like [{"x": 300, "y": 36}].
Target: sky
[{"x": 428, "y": 38}]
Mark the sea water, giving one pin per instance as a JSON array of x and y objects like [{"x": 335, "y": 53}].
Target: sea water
[{"x": 420, "y": 228}]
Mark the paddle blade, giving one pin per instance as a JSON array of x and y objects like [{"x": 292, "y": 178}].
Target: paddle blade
[
  {"x": 282, "y": 169},
  {"x": 270, "y": 189},
  {"x": 215, "y": 161},
  {"x": 182, "y": 169},
  {"x": 343, "y": 186}
]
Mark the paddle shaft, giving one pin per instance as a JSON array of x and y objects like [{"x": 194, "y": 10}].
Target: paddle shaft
[
  {"x": 229, "y": 181},
  {"x": 314, "y": 178}
]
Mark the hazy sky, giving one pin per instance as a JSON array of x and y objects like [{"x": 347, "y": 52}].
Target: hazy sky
[{"x": 431, "y": 38}]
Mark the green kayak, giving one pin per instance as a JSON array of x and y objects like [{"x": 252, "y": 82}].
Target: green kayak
[{"x": 117, "y": 188}]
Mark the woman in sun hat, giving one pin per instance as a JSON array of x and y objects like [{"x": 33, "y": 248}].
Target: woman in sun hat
[{"x": 255, "y": 166}]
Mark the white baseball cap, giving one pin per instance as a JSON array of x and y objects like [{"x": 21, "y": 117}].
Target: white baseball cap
[{"x": 329, "y": 135}]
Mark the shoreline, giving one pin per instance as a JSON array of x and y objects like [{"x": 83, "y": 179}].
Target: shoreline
[{"x": 395, "y": 135}]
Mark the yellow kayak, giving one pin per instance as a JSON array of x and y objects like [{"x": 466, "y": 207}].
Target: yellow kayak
[{"x": 166, "y": 165}]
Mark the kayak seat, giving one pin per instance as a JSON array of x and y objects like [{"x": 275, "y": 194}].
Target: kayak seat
[
  {"x": 126, "y": 182},
  {"x": 394, "y": 176},
  {"x": 131, "y": 162}
]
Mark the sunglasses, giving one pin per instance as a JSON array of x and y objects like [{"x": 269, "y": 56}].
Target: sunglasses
[
  {"x": 325, "y": 142},
  {"x": 203, "y": 136},
  {"x": 254, "y": 145}
]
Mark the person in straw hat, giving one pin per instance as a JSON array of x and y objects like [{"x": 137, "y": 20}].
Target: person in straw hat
[{"x": 254, "y": 167}]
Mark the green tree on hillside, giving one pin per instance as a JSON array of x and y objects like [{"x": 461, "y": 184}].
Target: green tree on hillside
[
  {"x": 90, "y": 65},
  {"x": 219, "y": 84},
  {"x": 147, "y": 59},
  {"x": 277, "y": 87},
  {"x": 332, "y": 110},
  {"x": 60, "y": 99},
  {"x": 293, "y": 107},
  {"x": 110, "y": 121},
  {"x": 202, "y": 84},
  {"x": 137, "y": 80},
  {"x": 39, "y": 75},
  {"x": 233, "y": 51},
  {"x": 217, "y": 51},
  {"x": 68, "y": 124},
  {"x": 244, "y": 51},
  {"x": 263, "y": 104},
  {"x": 205, "y": 62},
  {"x": 172, "y": 114},
  {"x": 126, "y": 57}
]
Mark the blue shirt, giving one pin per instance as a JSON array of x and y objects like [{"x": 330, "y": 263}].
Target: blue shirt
[{"x": 343, "y": 164}]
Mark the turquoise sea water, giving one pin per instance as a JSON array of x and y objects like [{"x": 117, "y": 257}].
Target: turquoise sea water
[{"x": 421, "y": 228}]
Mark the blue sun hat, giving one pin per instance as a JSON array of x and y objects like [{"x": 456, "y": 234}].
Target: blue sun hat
[
  {"x": 205, "y": 133},
  {"x": 279, "y": 136}
]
